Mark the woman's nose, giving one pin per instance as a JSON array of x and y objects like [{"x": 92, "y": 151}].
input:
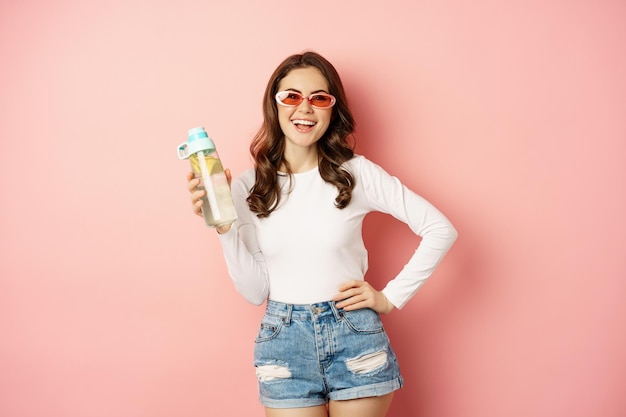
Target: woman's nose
[{"x": 305, "y": 106}]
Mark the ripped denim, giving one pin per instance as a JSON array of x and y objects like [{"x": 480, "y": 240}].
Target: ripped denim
[{"x": 306, "y": 355}]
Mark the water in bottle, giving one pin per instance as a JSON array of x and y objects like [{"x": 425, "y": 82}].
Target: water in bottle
[{"x": 218, "y": 208}]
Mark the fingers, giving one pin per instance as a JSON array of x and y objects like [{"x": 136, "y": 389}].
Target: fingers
[
  {"x": 349, "y": 285},
  {"x": 192, "y": 182},
  {"x": 356, "y": 294},
  {"x": 196, "y": 194},
  {"x": 229, "y": 177},
  {"x": 356, "y": 305},
  {"x": 353, "y": 292},
  {"x": 197, "y": 202}
]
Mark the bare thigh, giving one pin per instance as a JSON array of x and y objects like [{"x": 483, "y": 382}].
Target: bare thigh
[
  {"x": 317, "y": 411},
  {"x": 362, "y": 407}
]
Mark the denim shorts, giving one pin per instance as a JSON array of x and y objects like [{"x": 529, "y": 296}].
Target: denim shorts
[{"x": 306, "y": 355}]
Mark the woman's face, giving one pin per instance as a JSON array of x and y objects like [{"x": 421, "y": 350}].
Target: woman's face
[{"x": 303, "y": 125}]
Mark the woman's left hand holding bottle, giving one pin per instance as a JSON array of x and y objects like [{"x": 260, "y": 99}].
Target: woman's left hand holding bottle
[{"x": 197, "y": 194}]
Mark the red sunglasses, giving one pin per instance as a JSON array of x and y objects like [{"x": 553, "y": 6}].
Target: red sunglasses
[{"x": 293, "y": 99}]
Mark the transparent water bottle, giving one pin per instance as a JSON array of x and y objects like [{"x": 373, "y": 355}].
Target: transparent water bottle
[{"x": 218, "y": 208}]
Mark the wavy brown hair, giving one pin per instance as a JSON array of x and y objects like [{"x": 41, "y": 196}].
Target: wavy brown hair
[{"x": 334, "y": 148}]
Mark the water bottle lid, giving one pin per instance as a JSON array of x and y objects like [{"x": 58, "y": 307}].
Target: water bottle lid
[{"x": 197, "y": 140}]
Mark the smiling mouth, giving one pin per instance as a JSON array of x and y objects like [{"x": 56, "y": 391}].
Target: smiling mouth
[{"x": 303, "y": 125}]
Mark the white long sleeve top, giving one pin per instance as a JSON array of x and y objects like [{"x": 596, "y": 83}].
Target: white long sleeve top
[{"x": 307, "y": 247}]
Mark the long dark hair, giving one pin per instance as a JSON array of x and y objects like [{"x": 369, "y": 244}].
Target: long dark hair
[{"x": 334, "y": 148}]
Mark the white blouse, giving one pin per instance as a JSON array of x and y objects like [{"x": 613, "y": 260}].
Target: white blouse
[{"x": 307, "y": 247}]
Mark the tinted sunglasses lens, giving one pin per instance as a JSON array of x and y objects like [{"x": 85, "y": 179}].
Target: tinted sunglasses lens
[
  {"x": 289, "y": 98},
  {"x": 323, "y": 101}
]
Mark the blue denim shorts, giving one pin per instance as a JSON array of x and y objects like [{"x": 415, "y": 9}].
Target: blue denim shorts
[{"x": 306, "y": 355}]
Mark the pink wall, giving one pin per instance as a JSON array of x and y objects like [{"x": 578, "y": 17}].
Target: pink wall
[{"x": 509, "y": 116}]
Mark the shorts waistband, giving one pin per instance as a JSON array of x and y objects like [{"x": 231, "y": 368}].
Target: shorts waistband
[{"x": 313, "y": 311}]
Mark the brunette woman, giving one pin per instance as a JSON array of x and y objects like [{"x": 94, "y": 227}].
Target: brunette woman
[{"x": 297, "y": 246}]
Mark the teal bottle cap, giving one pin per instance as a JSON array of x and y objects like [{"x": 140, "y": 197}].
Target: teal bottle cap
[{"x": 197, "y": 140}]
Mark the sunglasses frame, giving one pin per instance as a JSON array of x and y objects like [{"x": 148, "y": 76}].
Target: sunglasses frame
[{"x": 333, "y": 100}]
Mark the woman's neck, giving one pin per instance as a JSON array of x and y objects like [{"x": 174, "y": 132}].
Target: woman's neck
[{"x": 302, "y": 160}]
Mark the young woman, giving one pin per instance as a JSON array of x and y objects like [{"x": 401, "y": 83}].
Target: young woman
[{"x": 321, "y": 349}]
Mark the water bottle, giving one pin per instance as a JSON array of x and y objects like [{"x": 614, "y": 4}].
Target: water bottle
[{"x": 218, "y": 208}]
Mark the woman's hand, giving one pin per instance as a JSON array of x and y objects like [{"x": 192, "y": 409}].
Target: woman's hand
[
  {"x": 357, "y": 294},
  {"x": 196, "y": 197},
  {"x": 196, "y": 194}
]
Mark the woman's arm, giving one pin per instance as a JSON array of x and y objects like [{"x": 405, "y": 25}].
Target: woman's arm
[
  {"x": 387, "y": 194},
  {"x": 244, "y": 260}
]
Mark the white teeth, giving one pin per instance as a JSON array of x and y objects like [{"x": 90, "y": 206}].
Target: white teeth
[{"x": 303, "y": 122}]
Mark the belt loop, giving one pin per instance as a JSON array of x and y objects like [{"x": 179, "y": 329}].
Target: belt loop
[
  {"x": 287, "y": 318},
  {"x": 338, "y": 314}
]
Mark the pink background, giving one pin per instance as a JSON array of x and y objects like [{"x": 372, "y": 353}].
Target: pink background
[{"x": 509, "y": 116}]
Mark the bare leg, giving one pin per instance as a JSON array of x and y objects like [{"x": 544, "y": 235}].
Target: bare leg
[
  {"x": 361, "y": 407},
  {"x": 318, "y": 411}
]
